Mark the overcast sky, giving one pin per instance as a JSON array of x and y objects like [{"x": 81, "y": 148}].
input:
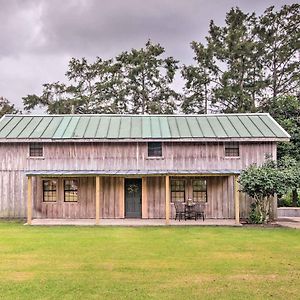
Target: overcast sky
[{"x": 38, "y": 37}]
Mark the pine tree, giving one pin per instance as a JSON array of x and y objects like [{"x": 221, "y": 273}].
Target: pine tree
[
  {"x": 148, "y": 77},
  {"x": 279, "y": 32}
]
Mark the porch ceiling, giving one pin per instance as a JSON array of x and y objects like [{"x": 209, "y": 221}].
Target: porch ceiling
[{"x": 116, "y": 173}]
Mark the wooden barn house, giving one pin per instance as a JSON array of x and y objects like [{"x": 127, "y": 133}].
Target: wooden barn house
[{"x": 129, "y": 166}]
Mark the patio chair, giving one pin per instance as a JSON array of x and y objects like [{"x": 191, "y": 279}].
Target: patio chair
[
  {"x": 199, "y": 209},
  {"x": 180, "y": 210}
]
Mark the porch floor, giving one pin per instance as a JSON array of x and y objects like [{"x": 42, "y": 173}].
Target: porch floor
[{"x": 134, "y": 222}]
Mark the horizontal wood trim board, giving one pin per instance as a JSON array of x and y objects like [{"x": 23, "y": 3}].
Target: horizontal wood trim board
[
  {"x": 221, "y": 140},
  {"x": 133, "y": 176}
]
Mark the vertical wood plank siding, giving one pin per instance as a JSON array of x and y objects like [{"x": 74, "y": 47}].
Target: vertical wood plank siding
[{"x": 120, "y": 156}]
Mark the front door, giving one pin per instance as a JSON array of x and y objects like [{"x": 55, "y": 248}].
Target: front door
[{"x": 133, "y": 198}]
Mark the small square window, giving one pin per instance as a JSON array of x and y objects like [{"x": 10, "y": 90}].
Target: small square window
[
  {"x": 49, "y": 190},
  {"x": 35, "y": 150},
  {"x": 232, "y": 149},
  {"x": 71, "y": 190},
  {"x": 154, "y": 149}
]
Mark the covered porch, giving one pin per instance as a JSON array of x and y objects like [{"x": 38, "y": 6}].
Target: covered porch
[{"x": 103, "y": 197}]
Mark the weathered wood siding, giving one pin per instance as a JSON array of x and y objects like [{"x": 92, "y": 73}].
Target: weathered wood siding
[
  {"x": 131, "y": 156},
  {"x": 84, "y": 208},
  {"x": 111, "y": 199},
  {"x": 15, "y": 162}
]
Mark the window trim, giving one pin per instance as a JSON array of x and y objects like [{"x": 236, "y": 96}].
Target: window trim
[
  {"x": 204, "y": 179},
  {"x": 56, "y": 190},
  {"x": 64, "y": 189},
  {"x": 155, "y": 156},
  {"x": 35, "y": 156},
  {"x": 232, "y": 156}
]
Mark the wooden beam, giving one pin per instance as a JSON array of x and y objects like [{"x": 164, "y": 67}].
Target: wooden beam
[
  {"x": 122, "y": 197},
  {"x": 144, "y": 198},
  {"x": 236, "y": 200},
  {"x": 97, "y": 200},
  {"x": 29, "y": 200},
  {"x": 167, "y": 200}
]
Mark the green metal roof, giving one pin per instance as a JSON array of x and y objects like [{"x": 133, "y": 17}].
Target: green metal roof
[{"x": 141, "y": 127}]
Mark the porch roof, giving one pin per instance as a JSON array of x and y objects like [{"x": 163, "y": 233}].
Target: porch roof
[{"x": 119, "y": 173}]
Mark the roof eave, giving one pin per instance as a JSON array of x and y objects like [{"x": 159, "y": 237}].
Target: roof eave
[{"x": 126, "y": 140}]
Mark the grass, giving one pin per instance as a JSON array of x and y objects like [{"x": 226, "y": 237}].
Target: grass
[{"x": 148, "y": 263}]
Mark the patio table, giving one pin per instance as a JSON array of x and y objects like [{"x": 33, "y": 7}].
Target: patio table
[{"x": 189, "y": 210}]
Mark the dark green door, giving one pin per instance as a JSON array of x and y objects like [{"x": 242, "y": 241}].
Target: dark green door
[{"x": 133, "y": 198}]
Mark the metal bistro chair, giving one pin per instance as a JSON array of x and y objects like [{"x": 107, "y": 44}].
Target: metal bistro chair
[
  {"x": 180, "y": 210},
  {"x": 199, "y": 210}
]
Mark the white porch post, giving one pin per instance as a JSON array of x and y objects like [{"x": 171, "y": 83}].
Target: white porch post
[
  {"x": 236, "y": 200},
  {"x": 167, "y": 200},
  {"x": 97, "y": 200},
  {"x": 29, "y": 200}
]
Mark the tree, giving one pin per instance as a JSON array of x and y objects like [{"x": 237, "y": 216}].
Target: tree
[
  {"x": 148, "y": 77},
  {"x": 93, "y": 88},
  {"x": 198, "y": 80},
  {"x": 236, "y": 47},
  {"x": 265, "y": 181},
  {"x": 246, "y": 63},
  {"x": 6, "y": 107},
  {"x": 279, "y": 32},
  {"x": 261, "y": 183},
  {"x": 290, "y": 170},
  {"x": 229, "y": 69},
  {"x": 134, "y": 82},
  {"x": 286, "y": 111}
]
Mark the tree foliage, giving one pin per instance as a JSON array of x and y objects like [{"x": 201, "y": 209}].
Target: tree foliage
[
  {"x": 286, "y": 111},
  {"x": 6, "y": 107},
  {"x": 138, "y": 82},
  {"x": 247, "y": 63},
  {"x": 268, "y": 180},
  {"x": 279, "y": 31},
  {"x": 148, "y": 78}
]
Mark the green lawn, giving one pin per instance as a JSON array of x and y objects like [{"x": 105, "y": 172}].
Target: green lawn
[{"x": 148, "y": 263}]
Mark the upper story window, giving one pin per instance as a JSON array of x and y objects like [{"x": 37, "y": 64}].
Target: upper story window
[
  {"x": 49, "y": 190},
  {"x": 71, "y": 190},
  {"x": 36, "y": 150},
  {"x": 154, "y": 149},
  {"x": 232, "y": 149}
]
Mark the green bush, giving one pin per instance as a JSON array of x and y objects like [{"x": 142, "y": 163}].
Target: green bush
[
  {"x": 255, "y": 216},
  {"x": 287, "y": 200}
]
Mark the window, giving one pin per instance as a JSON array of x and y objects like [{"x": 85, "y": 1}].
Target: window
[
  {"x": 71, "y": 190},
  {"x": 199, "y": 190},
  {"x": 35, "y": 150},
  {"x": 155, "y": 149},
  {"x": 177, "y": 190},
  {"x": 49, "y": 190},
  {"x": 232, "y": 149}
]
